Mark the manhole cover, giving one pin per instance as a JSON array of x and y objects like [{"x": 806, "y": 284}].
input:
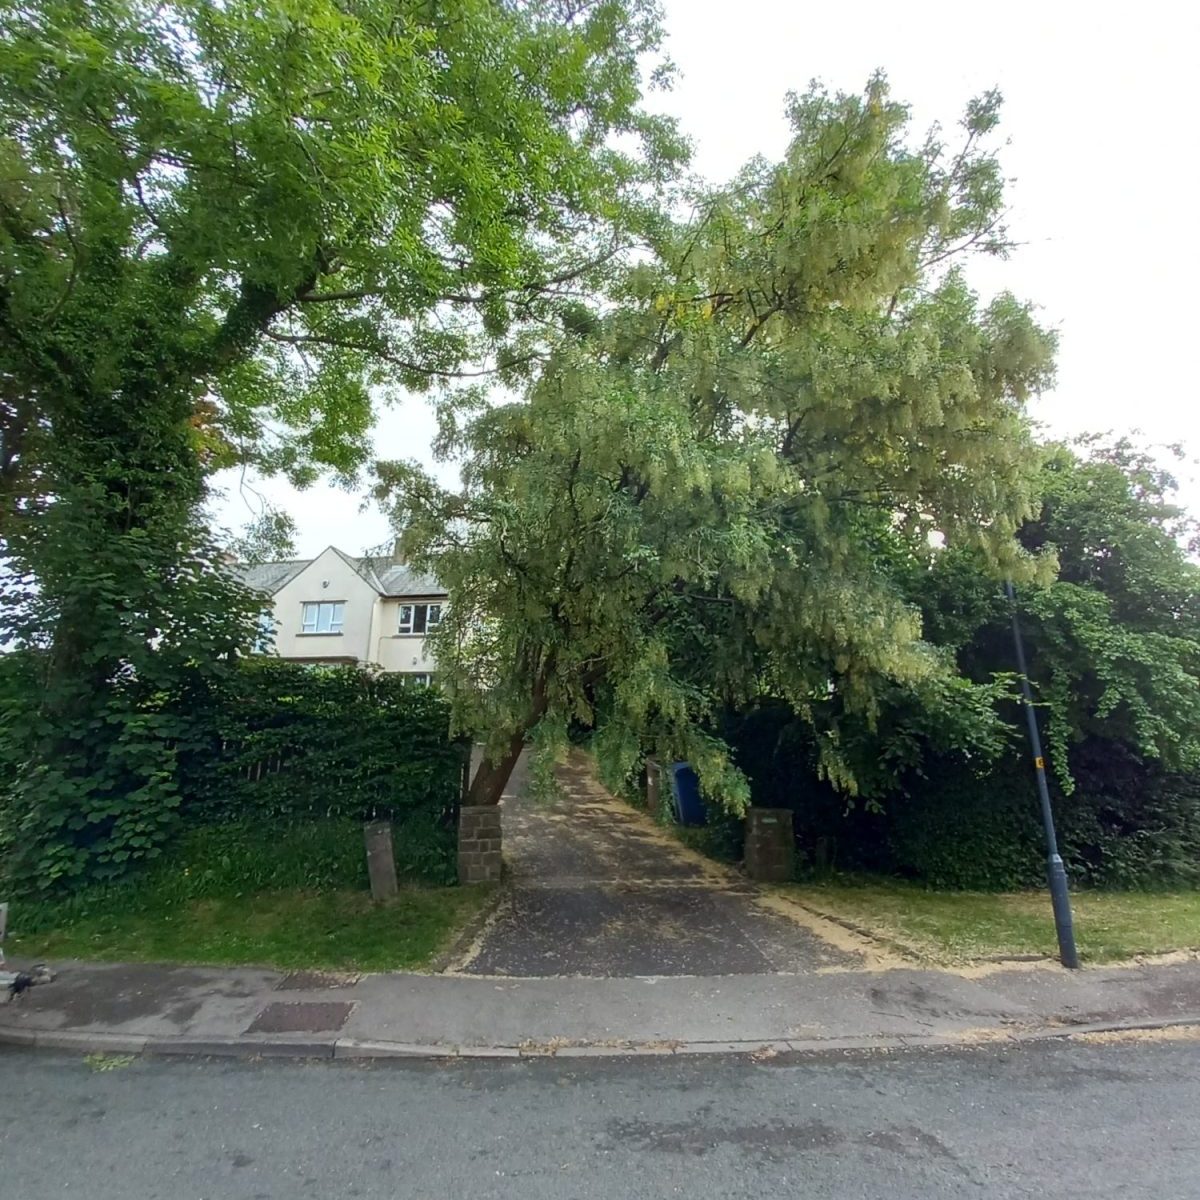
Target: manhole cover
[
  {"x": 305, "y": 981},
  {"x": 301, "y": 1018}
]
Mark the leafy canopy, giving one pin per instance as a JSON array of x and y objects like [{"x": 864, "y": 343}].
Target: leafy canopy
[
  {"x": 1114, "y": 640},
  {"x": 689, "y": 503},
  {"x": 255, "y": 214},
  {"x": 225, "y": 229}
]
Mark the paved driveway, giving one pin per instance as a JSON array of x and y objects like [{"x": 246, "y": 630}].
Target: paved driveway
[{"x": 597, "y": 888}]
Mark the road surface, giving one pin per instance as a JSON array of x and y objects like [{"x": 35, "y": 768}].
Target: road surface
[
  {"x": 597, "y": 889},
  {"x": 1050, "y": 1119}
]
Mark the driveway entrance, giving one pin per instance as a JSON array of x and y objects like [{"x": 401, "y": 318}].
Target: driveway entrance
[{"x": 597, "y": 888}]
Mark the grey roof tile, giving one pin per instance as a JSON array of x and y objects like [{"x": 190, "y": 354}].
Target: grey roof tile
[
  {"x": 397, "y": 579},
  {"x": 269, "y": 577},
  {"x": 385, "y": 575}
]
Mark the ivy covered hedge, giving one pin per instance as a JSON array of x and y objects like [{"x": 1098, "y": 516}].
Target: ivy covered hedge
[
  {"x": 268, "y": 745},
  {"x": 1128, "y": 822}
]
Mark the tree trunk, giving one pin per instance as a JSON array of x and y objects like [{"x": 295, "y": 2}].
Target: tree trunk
[{"x": 490, "y": 779}]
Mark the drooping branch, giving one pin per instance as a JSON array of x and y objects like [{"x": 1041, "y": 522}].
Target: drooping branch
[{"x": 378, "y": 352}]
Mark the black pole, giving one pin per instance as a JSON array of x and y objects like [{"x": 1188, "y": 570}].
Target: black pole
[{"x": 1055, "y": 871}]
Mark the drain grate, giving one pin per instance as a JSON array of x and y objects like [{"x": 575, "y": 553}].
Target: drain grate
[{"x": 322, "y": 1017}]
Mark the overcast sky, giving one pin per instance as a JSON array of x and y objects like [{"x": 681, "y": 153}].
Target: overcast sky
[{"x": 1102, "y": 128}]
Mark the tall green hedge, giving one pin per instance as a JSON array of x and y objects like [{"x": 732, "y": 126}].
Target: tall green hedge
[
  {"x": 269, "y": 745},
  {"x": 1128, "y": 823},
  {"x": 282, "y": 741}
]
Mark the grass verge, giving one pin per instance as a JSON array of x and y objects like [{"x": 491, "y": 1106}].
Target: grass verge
[
  {"x": 335, "y": 930},
  {"x": 251, "y": 895},
  {"x": 956, "y": 928}
]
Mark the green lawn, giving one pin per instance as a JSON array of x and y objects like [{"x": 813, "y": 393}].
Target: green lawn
[
  {"x": 258, "y": 895},
  {"x": 339, "y": 929},
  {"x": 955, "y": 928}
]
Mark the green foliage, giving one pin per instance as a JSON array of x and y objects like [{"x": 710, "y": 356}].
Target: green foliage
[
  {"x": 245, "y": 857},
  {"x": 209, "y": 861},
  {"x": 689, "y": 506},
  {"x": 1114, "y": 642},
  {"x": 247, "y": 215},
  {"x": 92, "y": 719},
  {"x": 225, "y": 229},
  {"x": 268, "y": 537},
  {"x": 290, "y": 896},
  {"x": 281, "y": 741},
  {"x": 263, "y": 750},
  {"x": 1126, "y": 825},
  {"x": 961, "y": 823},
  {"x": 1117, "y": 639},
  {"x": 723, "y": 837},
  {"x": 967, "y": 832}
]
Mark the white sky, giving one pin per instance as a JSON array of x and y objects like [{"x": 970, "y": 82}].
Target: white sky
[{"x": 1102, "y": 128}]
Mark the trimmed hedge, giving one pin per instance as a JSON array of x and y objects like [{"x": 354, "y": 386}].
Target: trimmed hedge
[
  {"x": 1128, "y": 824},
  {"x": 271, "y": 749},
  {"x": 287, "y": 742}
]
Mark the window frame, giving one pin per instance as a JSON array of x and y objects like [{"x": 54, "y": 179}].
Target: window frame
[
  {"x": 427, "y": 609},
  {"x": 337, "y": 618}
]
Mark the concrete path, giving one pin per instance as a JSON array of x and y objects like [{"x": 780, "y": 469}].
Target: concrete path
[
  {"x": 246, "y": 1011},
  {"x": 597, "y": 889}
]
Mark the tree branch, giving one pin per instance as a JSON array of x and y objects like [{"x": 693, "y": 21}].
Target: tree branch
[{"x": 294, "y": 339}]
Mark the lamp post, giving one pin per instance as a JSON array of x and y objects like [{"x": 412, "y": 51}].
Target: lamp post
[{"x": 1055, "y": 871}]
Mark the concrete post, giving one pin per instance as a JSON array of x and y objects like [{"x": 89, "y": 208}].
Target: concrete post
[
  {"x": 381, "y": 860},
  {"x": 653, "y": 788},
  {"x": 770, "y": 844}
]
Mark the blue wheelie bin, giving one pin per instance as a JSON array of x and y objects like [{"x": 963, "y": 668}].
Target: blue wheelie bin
[{"x": 686, "y": 803}]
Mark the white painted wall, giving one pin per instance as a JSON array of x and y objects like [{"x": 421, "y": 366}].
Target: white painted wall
[
  {"x": 370, "y": 624},
  {"x": 326, "y": 579},
  {"x": 405, "y": 652}
]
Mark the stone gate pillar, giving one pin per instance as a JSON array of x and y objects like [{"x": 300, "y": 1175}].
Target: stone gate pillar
[
  {"x": 480, "y": 843},
  {"x": 770, "y": 844}
]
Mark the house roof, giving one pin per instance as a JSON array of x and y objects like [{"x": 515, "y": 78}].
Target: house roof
[
  {"x": 387, "y": 576},
  {"x": 269, "y": 577},
  {"x": 397, "y": 579}
]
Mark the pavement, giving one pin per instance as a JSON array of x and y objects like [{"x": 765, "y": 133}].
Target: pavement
[
  {"x": 609, "y": 939},
  {"x": 1009, "y": 1122}
]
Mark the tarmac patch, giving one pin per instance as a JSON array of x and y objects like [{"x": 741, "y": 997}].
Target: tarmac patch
[{"x": 317, "y": 1017}]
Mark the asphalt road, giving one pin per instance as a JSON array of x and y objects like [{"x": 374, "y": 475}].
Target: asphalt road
[
  {"x": 598, "y": 889},
  {"x": 1049, "y": 1119}
]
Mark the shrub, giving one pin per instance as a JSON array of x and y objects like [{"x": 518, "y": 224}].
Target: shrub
[
  {"x": 959, "y": 830},
  {"x": 1128, "y": 823},
  {"x": 268, "y": 749},
  {"x": 282, "y": 741}
]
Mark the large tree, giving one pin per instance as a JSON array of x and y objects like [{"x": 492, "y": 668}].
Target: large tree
[
  {"x": 690, "y": 503},
  {"x": 1114, "y": 640},
  {"x": 227, "y": 230},
  {"x": 231, "y": 221}
]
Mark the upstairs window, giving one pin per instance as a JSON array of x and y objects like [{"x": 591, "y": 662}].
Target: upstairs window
[
  {"x": 420, "y": 618},
  {"x": 323, "y": 616}
]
